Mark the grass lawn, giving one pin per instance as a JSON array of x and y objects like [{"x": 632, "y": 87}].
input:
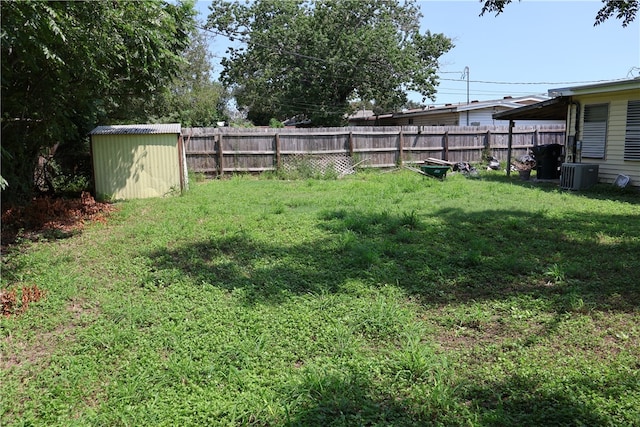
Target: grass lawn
[{"x": 379, "y": 299}]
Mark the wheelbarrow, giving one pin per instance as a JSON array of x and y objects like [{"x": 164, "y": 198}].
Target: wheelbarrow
[{"x": 435, "y": 171}]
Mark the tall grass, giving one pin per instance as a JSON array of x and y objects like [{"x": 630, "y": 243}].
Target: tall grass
[{"x": 379, "y": 299}]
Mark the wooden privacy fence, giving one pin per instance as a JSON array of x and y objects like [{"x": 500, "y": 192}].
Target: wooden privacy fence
[{"x": 221, "y": 150}]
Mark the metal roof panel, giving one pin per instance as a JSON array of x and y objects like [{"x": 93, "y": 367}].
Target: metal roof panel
[
  {"x": 143, "y": 129},
  {"x": 551, "y": 109}
]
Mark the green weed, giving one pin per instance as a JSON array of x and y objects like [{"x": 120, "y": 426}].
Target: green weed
[{"x": 376, "y": 299}]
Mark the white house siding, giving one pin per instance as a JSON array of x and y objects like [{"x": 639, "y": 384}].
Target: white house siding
[
  {"x": 480, "y": 118},
  {"x": 485, "y": 117},
  {"x": 441, "y": 119},
  {"x": 613, "y": 164}
]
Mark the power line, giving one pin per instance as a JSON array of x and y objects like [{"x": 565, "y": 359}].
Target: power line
[
  {"x": 534, "y": 83},
  {"x": 458, "y": 91},
  {"x": 242, "y": 38},
  {"x": 298, "y": 104}
]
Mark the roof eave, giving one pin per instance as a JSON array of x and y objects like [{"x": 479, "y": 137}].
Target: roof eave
[
  {"x": 614, "y": 86},
  {"x": 551, "y": 109},
  {"x": 428, "y": 112}
]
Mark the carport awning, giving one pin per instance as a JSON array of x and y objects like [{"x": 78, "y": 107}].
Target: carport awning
[{"x": 551, "y": 109}]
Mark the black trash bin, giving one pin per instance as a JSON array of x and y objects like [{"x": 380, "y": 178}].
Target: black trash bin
[{"x": 548, "y": 160}]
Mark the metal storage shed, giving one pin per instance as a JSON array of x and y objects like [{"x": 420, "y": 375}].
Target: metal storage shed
[{"x": 138, "y": 161}]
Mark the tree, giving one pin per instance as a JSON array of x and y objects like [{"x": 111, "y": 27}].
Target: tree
[
  {"x": 68, "y": 65},
  {"x": 309, "y": 58},
  {"x": 381, "y": 109},
  {"x": 622, "y": 9},
  {"x": 193, "y": 98}
]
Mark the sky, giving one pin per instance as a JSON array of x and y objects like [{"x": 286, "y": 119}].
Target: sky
[{"x": 533, "y": 46}]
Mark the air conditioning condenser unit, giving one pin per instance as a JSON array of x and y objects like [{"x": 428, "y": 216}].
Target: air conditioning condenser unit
[{"x": 578, "y": 176}]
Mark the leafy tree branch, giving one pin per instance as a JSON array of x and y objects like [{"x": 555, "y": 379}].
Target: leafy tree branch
[
  {"x": 309, "y": 58},
  {"x": 625, "y": 10}
]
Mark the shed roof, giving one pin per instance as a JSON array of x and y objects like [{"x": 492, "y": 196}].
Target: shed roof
[{"x": 148, "y": 129}]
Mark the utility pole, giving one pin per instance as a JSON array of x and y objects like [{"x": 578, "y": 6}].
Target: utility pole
[{"x": 466, "y": 74}]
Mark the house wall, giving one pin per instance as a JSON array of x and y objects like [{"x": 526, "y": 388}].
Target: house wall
[
  {"x": 443, "y": 119},
  {"x": 135, "y": 166},
  {"x": 485, "y": 117},
  {"x": 478, "y": 117},
  {"x": 570, "y": 134},
  {"x": 377, "y": 121},
  {"x": 613, "y": 164}
]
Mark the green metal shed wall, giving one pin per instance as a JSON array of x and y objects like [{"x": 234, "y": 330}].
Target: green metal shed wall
[{"x": 134, "y": 166}]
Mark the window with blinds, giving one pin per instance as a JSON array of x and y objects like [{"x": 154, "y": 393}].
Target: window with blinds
[
  {"x": 632, "y": 135},
  {"x": 594, "y": 133}
]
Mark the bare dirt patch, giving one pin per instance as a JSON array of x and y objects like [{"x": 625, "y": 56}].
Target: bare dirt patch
[{"x": 39, "y": 348}]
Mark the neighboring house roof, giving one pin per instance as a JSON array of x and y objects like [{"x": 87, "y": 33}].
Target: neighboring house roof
[
  {"x": 148, "y": 129},
  {"x": 360, "y": 114},
  {"x": 505, "y": 103}
]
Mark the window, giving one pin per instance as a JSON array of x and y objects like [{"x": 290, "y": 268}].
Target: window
[
  {"x": 632, "y": 135},
  {"x": 594, "y": 135}
]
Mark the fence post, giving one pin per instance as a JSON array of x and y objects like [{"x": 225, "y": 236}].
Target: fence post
[
  {"x": 509, "y": 146},
  {"x": 278, "y": 159},
  {"x": 182, "y": 160},
  {"x": 487, "y": 145},
  {"x": 220, "y": 156},
  {"x": 535, "y": 137},
  {"x": 400, "y": 148},
  {"x": 445, "y": 146}
]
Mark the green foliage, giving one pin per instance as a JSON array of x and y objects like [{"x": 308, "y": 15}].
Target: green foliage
[
  {"x": 5, "y": 156},
  {"x": 625, "y": 10},
  {"x": 202, "y": 106},
  {"x": 59, "y": 181},
  {"x": 192, "y": 98},
  {"x": 275, "y": 123},
  {"x": 68, "y": 65},
  {"x": 309, "y": 58}
]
